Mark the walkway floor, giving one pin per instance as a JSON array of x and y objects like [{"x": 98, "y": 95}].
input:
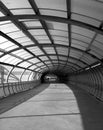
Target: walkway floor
[{"x": 51, "y": 107}]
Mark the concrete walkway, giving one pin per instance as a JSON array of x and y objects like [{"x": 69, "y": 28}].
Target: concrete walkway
[{"x": 51, "y": 107}]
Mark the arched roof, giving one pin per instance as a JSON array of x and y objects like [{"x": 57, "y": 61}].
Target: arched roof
[{"x": 46, "y": 35}]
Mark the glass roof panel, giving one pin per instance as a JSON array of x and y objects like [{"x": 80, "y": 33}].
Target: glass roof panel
[
  {"x": 39, "y": 64},
  {"x": 96, "y": 54},
  {"x": 41, "y": 37},
  {"x": 46, "y": 41},
  {"x": 7, "y": 46},
  {"x": 12, "y": 4},
  {"x": 43, "y": 66},
  {"x": 53, "y": 57},
  {"x": 92, "y": 8},
  {"x": 37, "y": 32},
  {"x": 54, "y": 4},
  {"x": 99, "y": 38},
  {"x": 9, "y": 59},
  {"x": 62, "y": 50},
  {"x": 58, "y": 32},
  {"x": 97, "y": 51},
  {"x": 47, "y": 62},
  {"x": 32, "y": 24},
  {"x": 22, "y": 39},
  {"x": 63, "y": 58},
  {"x": 72, "y": 60},
  {"x": 79, "y": 43},
  {"x": 49, "y": 50},
  {"x": 98, "y": 44},
  {"x": 2, "y": 39},
  {"x": 61, "y": 42},
  {"x": 75, "y": 53},
  {"x": 81, "y": 64},
  {"x": 22, "y": 53},
  {"x": 16, "y": 61},
  {"x": 33, "y": 67},
  {"x": 44, "y": 58},
  {"x": 36, "y": 50},
  {"x": 7, "y": 28},
  {"x": 24, "y": 64},
  {"x": 64, "y": 39},
  {"x": 89, "y": 59},
  {"x": 37, "y": 69},
  {"x": 27, "y": 43},
  {"x": 22, "y": 11},
  {"x": 55, "y": 61},
  {"x": 34, "y": 60},
  {"x": 81, "y": 38},
  {"x": 82, "y": 31},
  {"x": 62, "y": 62},
  {"x": 85, "y": 19},
  {"x": 16, "y": 34},
  {"x": 57, "y": 26},
  {"x": 53, "y": 13},
  {"x": 78, "y": 46}
]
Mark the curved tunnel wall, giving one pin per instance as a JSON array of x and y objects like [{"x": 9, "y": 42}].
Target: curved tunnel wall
[{"x": 90, "y": 80}]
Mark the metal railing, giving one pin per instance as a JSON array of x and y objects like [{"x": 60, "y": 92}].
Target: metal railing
[
  {"x": 90, "y": 80},
  {"x": 7, "y": 89}
]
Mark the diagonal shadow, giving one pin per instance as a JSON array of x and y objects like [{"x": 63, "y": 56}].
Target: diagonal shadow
[
  {"x": 90, "y": 108},
  {"x": 14, "y": 100}
]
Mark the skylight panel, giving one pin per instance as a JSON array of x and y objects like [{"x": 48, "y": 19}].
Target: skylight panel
[
  {"x": 62, "y": 50},
  {"x": 2, "y": 39},
  {"x": 40, "y": 64},
  {"x": 44, "y": 41},
  {"x": 49, "y": 50},
  {"x": 58, "y": 26},
  {"x": 9, "y": 59},
  {"x": 44, "y": 58},
  {"x": 54, "y": 4},
  {"x": 7, "y": 46},
  {"x": 53, "y": 57},
  {"x": 12, "y": 4},
  {"x": 24, "y": 64},
  {"x": 47, "y": 62},
  {"x": 36, "y": 50},
  {"x": 33, "y": 67},
  {"x": 7, "y": 28},
  {"x": 22, "y": 53},
  {"x": 37, "y": 32},
  {"x": 82, "y": 31},
  {"x": 16, "y": 34},
  {"x": 57, "y": 13},
  {"x": 63, "y": 58},
  {"x": 32, "y": 24},
  {"x": 22, "y": 11},
  {"x": 34, "y": 60}
]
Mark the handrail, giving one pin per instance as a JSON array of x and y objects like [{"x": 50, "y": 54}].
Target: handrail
[
  {"x": 7, "y": 89},
  {"x": 90, "y": 80}
]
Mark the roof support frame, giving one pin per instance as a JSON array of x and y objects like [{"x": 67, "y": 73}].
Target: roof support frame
[
  {"x": 43, "y": 23},
  {"x": 54, "y": 19},
  {"x": 21, "y": 27}
]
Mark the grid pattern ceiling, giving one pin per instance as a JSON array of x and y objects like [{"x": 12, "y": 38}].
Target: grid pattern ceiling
[{"x": 40, "y": 35}]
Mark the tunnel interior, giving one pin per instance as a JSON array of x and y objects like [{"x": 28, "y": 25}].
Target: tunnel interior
[{"x": 59, "y": 37}]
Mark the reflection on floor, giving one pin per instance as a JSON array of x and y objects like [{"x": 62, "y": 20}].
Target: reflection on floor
[{"x": 55, "y": 107}]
